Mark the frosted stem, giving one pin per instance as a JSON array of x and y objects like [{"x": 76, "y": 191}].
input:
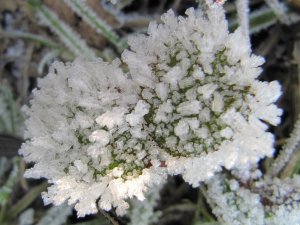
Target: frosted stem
[
  {"x": 279, "y": 9},
  {"x": 287, "y": 150},
  {"x": 101, "y": 27},
  {"x": 243, "y": 16},
  {"x": 69, "y": 37}
]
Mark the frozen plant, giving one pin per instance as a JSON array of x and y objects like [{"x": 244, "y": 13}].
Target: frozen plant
[
  {"x": 207, "y": 109},
  {"x": 142, "y": 212},
  {"x": 281, "y": 200},
  {"x": 69, "y": 130},
  {"x": 56, "y": 215},
  {"x": 268, "y": 201},
  {"x": 287, "y": 152},
  {"x": 190, "y": 104},
  {"x": 234, "y": 204}
]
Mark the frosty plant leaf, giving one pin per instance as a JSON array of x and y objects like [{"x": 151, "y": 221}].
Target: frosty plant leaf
[
  {"x": 190, "y": 104},
  {"x": 97, "y": 23}
]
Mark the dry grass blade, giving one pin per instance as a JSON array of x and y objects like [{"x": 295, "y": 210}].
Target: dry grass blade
[{"x": 24, "y": 202}]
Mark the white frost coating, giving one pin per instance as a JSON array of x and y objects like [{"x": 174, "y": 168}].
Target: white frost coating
[
  {"x": 171, "y": 142},
  {"x": 56, "y": 215},
  {"x": 287, "y": 151},
  {"x": 27, "y": 217},
  {"x": 227, "y": 133},
  {"x": 73, "y": 115},
  {"x": 136, "y": 117},
  {"x": 198, "y": 74},
  {"x": 207, "y": 90},
  {"x": 217, "y": 86},
  {"x": 202, "y": 132},
  {"x": 193, "y": 123},
  {"x": 112, "y": 118},
  {"x": 243, "y": 16},
  {"x": 163, "y": 111},
  {"x": 68, "y": 36},
  {"x": 162, "y": 91},
  {"x": 140, "y": 71},
  {"x": 189, "y": 108},
  {"x": 182, "y": 129},
  {"x": 217, "y": 103},
  {"x": 100, "y": 136},
  {"x": 233, "y": 204},
  {"x": 173, "y": 76},
  {"x": 82, "y": 167},
  {"x": 142, "y": 212},
  {"x": 283, "y": 196},
  {"x": 104, "y": 138},
  {"x": 141, "y": 108}
]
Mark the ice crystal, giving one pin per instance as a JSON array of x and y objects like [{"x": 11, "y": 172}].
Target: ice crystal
[
  {"x": 234, "y": 204},
  {"x": 281, "y": 199},
  {"x": 270, "y": 202}
]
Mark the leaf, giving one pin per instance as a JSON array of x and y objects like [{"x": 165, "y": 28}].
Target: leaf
[{"x": 24, "y": 202}]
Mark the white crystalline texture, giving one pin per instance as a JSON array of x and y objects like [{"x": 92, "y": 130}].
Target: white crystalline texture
[
  {"x": 190, "y": 104},
  {"x": 207, "y": 90},
  {"x": 70, "y": 129},
  {"x": 284, "y": 198},
  {"x": 182, "y": 129},
  {"x": 205, "y": 72},
  {"x": 173, "y": 77},
  {"x": 198, "y": 74},
  {"x": 81, "y": 166},
  {"x": 100, "y": 136},
  {"x": 142, "y": 212},
  {"x": 227, "y": 133},
  {"x": 234, "y": 205},
  {"x": 189, "y": 108},
  {"x": 162, "y": 91},
  {"x": 135, "y": 118},
  {"x": 112, "y": 118},
  {"x": 217, "y": 103}
]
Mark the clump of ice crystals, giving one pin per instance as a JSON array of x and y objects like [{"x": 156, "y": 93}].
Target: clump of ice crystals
[
  {"x": 234, "y": 204},
  {"x": 206, "y": 108},
  {"x": 281, "y": 199},
  {"x": 271, "y": 202},
  {"x": 190, "y": 104}
]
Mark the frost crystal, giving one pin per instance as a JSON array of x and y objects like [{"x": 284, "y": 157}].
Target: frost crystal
[
  {"x": 271, "y": 202},
  {"x": 190, "y": 105},
  {"x": 282, "y": 200},
  {"x": 233, "y": 204},
  {"x": 142, "y": 212}
]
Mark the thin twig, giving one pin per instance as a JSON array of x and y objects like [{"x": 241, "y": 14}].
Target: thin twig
[
  {"x": 287, "y": 151},
  {"x": 109, "y": 217}
]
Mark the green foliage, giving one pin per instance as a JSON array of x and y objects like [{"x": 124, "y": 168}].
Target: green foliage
[
  {"x": 7, "y": 188},
  {"x": 11, "y": 118}
]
